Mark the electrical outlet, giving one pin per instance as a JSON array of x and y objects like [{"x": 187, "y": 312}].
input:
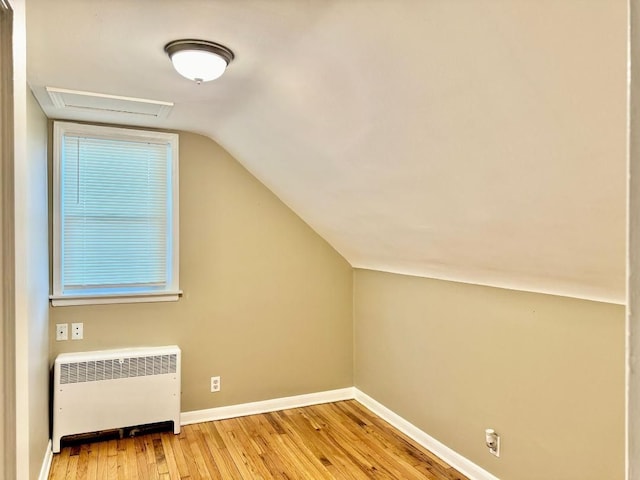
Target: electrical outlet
[
  {"x": 62, "y": 331},
  {"x": 77, "y": 331},
  {"x": 492, "y": 440},
  {"x": 215, "y": 384}
]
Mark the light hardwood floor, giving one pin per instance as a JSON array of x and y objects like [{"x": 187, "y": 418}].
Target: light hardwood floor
[{"x": 341, "y": 440}]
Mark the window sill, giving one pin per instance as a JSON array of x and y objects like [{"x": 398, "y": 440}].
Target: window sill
[{"x": 68, "y": 300}]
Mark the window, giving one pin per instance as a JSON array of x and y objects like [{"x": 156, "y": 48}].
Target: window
[{"x": 115, "y": 215}]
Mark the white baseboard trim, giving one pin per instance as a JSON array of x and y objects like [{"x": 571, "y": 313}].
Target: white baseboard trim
[
  {"x": 457, "y": 461},
  {"x": 46, "y": 463},
  {"x": 253, "y": 408}
]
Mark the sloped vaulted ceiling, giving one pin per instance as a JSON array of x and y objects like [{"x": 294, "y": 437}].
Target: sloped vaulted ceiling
[{"x": 473, "y": 140}]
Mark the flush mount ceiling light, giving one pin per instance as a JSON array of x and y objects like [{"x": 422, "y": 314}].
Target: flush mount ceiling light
[{"x": 199, "y": 60}]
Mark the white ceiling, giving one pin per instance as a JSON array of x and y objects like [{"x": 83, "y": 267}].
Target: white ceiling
[{"x": 475, "y": 140}]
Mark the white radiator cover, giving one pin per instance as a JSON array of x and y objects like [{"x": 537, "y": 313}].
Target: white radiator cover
[{"x": 111, "y": 389}]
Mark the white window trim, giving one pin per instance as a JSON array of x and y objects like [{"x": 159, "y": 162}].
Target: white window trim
[{"x": 173, "y": 291}]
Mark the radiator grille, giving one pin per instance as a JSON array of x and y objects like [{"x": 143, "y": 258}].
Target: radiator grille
[{"x": 112, "y": 369}]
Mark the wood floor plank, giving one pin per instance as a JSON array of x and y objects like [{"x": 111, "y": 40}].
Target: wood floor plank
[
  {"x": 202, "y": 439},
  {"x": 92, "y": 462},
  {"x": 330, "y": 455},
  {"x": 347, "y": 444},
  {"x": 149, "y": 456},
  {"x": 83, "y": 462},
  {"x": 418, "y": 458},
  {"x": 376, "y": 457},
  {"x": 140, "y": 460},
  {"x": 253, "y": 456},
  {"x": 123, "y": 466},
  {"x": 185, "y": 446},
  {"x": 60, "y": 463},
  {"x": 197, "y": 466},
  {"x": 314, "y": 450},
  {"x": 178, "y": 454},
  {"x": 72, "y": 468},
  {"x": 112, "y": 468},
  {"x": 333, "y": 441},
  {"x": 101, "y": 460},
  {"x": 161, "y": 460},
  {"x": 233, "y": 437},
  {"x": 112, "y": 448},
  {"x": 172, "y": 464},
  {"x": 374, "y": 450},
  {"x": 219, "y": 451}
]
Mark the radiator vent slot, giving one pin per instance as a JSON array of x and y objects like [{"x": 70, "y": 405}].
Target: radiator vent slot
[{"x": 112, "y": 369}]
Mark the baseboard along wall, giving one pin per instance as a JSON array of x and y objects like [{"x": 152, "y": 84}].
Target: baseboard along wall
[
  {"x": 457, "y": 461},
  {"x": 265, "y": 406},
  {"x": 46, "y": 463},
  {"x": 453, "y": 458}
]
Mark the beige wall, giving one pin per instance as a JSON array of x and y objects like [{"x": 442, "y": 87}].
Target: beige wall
[
  {"x": 267, "y": 303},
  {"x": 546, "y": 372}
]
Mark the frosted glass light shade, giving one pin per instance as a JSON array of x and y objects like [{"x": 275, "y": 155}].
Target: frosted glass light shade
[
  {"x": 198, "y": 65},
  {"x": 199, "y": 60}
]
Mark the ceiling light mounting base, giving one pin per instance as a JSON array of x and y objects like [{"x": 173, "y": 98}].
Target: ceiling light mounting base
[{"x": 205, "y": 45}]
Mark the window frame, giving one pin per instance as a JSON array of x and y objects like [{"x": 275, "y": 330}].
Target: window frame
[{"x": 172, "y": 291}]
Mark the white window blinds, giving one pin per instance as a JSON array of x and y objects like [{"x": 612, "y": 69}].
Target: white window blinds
[{"x": 116, "y": 218}]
